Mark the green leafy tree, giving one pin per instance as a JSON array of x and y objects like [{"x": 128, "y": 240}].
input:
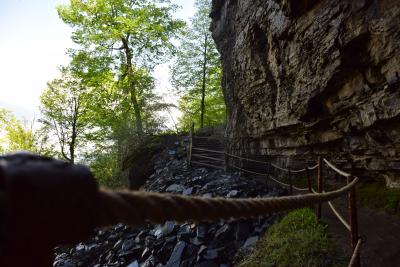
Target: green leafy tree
[
  {"x": 64, "y": 108},
  {"x": 3, "y": 119},
  {"x": 20, "y": 136},
  {"x": 124, "y": 36},
  {"x": 17, "y": 135},
  {"x": 196, "y": 72},
  {"x": 111, "y": 114}
]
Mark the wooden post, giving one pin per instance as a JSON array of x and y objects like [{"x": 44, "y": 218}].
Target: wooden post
[
  {"x": 190, "y": 143},
  {"x": 290, "y": 182},
  {"x": 308, "y": 179},
  {"x": 226, "y": 162},
  {"x": 352, "y": 205},
  {"x": 319, "y": 185}
]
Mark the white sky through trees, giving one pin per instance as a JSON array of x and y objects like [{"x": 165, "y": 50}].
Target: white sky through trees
[{"x": 33, "y": 42}]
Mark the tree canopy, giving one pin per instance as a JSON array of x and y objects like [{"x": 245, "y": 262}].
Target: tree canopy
[
  {"x": 103, "y": 105},
  {"x": 17, "y": 135},
  {"x": 123, "y": 36},
  {"x": 65, "y": 108},
  {"x": 196, "y": 73}
]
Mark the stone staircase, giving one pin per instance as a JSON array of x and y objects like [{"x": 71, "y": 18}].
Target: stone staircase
[{"x": 207, "y": 152}]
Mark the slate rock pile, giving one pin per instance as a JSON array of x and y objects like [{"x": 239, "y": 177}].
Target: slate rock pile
[{"x": 173, "y": 244}]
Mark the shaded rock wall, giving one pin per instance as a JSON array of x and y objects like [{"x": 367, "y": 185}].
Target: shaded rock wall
[{"x": 307, "y": 78}]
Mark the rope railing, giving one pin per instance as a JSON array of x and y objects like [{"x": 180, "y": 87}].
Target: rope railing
[
  {"x": 355, "y": 258},
  {"x": 78, "y": 207},
  {"x": 336, "y": 213},
  {"x": 29, "y": 183},
  {"x": 279, "y": 168},
  {"x": 247, "y": 159},
  {"x": 313, "y": 167},
  {"x": 352, "y": 226},
  {"x": 206, "y": 164},
  {"x": 298, "y": 171},
  {"x": 336, "y": 169},
  {"x": 250, "y": 160},
  {"x": 290, "y": 186},
  {"x": 341, "y": 219},
  {"x": 248, "y": 171},
  {"x": 300, "y": 189},
  {"x": 136, "y": 208},
  {"x": 207, "y": 157},
  {"x": 269, "y": 177},
  {"x": 208, "y": 150}
]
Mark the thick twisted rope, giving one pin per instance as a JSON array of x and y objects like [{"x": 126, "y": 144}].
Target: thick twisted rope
[
  {"x": 45, "y": 202},
  {"x": 336, "y": 169},
  {"x": 339, "y": 216},
  {"x": 336, "y": 213},
  {"x": 356, "y": 254},
  {"x": 269, "y": 177},
  {"x": 136, "y": 208}
]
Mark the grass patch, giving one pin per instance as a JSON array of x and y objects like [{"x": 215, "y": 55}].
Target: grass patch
[
  {"x": 376, "y": 195},
  {"x": 299, "y": 239}
]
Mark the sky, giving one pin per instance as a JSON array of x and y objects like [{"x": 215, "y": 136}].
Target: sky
[{"x": 33, "y": 43}]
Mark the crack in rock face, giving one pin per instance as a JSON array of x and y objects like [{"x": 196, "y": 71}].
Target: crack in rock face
[
  {"x": 309, "y": 78},
  {"x": 172, "y": 243}
]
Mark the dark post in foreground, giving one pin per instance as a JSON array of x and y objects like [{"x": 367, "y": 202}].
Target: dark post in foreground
[
  {"x": 352, "y": 205},
  {"x": 308, "y": 179},
  {"x": 319, "y": 185},
  {"x": 226, "y": 162}
]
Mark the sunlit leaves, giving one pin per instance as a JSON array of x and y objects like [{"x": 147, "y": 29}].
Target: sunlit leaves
[
  {"x": 187, "y": 72},
  {"x": 20, "y": 135},
  {"x": 102, "y": 24},
  {"x": 65, "y": 109}
]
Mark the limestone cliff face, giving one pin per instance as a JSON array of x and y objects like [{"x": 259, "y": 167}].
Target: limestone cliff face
[{"x": 306, "y": 78}]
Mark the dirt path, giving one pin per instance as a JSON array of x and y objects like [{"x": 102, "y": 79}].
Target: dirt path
[{"x": 381, "y": 232}]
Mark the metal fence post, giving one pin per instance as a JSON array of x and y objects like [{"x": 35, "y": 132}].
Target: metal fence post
[
  {"x": 319, "y": 185},
  {"x": 352, "y": 205}
]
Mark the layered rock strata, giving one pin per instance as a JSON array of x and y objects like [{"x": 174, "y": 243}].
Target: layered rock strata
[{"x": 308, "y": 78}]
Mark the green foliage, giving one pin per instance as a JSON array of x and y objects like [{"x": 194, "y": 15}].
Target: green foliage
[
  {"x": 104, "y": 166},
  {"x": 118, "y": 44},
  {"x": 198, "y": 59},
  {"x": 17, "y": 135},
  {"x": 3, "y": 119},
  {"x": 297, "y": 240},
  {"x": 124, "y": 37},
  {"x": 65, "y": 109},
  {"x": 102, "y": 26},
  {"x": 378, "y": 196}
]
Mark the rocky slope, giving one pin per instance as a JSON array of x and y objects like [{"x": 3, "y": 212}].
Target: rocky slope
[
  {"x": 174, "y": 244},
  {"x": 306, "y": 78}
]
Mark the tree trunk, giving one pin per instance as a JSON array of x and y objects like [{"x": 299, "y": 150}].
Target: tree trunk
[
  {"x": 72, "y": 144},
  {"x": 203, "y": 89},
  {"x": 132, "y": 89},
  {"x": 74, "y": 134},
  {"x": 72, "y": 152}
]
